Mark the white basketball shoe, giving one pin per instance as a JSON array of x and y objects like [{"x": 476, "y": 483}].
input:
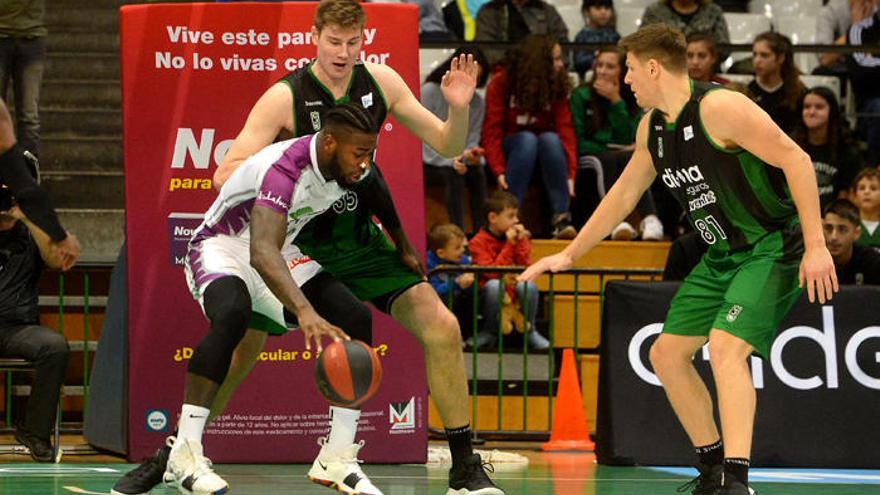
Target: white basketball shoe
[
  {"x": 341, "y": 471},
  {"x": 190, "y": 471}
]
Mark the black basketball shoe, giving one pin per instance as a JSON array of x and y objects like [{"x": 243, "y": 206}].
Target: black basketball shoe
[
  {"x": 707, "y": 483},
  {"x": 142, "y": 479},
  {"x": 470, "y": 478},
  {"x": 40, "y": 448}
]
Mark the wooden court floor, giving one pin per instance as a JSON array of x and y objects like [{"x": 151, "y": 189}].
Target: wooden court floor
[{"x": 550, "y": 474}]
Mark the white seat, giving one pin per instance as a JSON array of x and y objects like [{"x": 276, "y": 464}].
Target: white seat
[
  {"x": 572, "y": 17},
  {"x": 785, "y": 8},
  {"x": 430, "y": 58},
  {"x": 743, "y": 28},
  {"x": 830, "y": 82},
  {"x": 632, "y": 4},
  {"x": 801, "y": 31},
  {"x": 629, "y": 19},
  {"x": 560, "y": 3}
]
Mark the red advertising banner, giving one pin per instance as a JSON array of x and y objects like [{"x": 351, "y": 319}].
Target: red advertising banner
[{"x": 190, "y": 74}]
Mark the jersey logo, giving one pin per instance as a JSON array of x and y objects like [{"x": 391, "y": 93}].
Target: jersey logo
[
  {"x": 688, "y": 133},
  {"x": 660, "y": 146},
  {"x": 734, "y": 312},
  {"x": 316, "y": 121},
  {"x": 318, "y": 103},
  {"x": 677, "y": 178},
  {"x": 367, "y": 100},
  {"x": 348, "y": 202}
]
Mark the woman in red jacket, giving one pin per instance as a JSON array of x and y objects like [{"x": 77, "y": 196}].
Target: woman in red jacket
[{"x": 528, "y": 125}]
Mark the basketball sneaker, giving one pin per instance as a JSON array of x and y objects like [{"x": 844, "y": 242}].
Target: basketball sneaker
[
  {"x": 341, "y": 471},
  {"x": 142, "y": 479},
  {"x": 190, "y": 471},
  {"x": 732, "y": 486},
  {"x": 707, "y": 483},
  {"x": 470, "y": 478}
]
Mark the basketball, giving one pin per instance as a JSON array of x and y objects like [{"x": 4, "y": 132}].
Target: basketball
[{"x": 348, "y": 373}]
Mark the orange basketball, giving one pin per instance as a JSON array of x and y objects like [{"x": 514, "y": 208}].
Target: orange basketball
[{"x": 348, "y": 373}]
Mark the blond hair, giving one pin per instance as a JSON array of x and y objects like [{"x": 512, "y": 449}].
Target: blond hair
[
  {"x": 662, "y": 42},
  {"x": 343, "y": 13}
]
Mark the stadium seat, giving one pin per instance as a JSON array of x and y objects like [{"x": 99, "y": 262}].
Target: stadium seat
[
  {"x": 801, "y": 31},
  {"x": 632, "y": 4},
  {"x": 831, "y": 82},
  {"x": 743, "y": 28},
  {"x": 629, "y": 19},
  {"x": 571, "y": 15},
  {"x": 429, "y": 58},
  {"x": 785, "y": 8}
]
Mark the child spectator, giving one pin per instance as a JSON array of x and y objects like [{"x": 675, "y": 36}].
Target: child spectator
[
  {"x": 446, "y": 246},
  {"x": 599, "y": 27},
  {"x": 854, "y": 263},
  {"x": 866, "y": 189},
  {"x": 527, "y": 129},
  {"x": 504, "y": 242},
  {"x": 824, "y": 137}
]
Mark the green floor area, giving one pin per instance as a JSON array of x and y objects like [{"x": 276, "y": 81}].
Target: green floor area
[{"x": 562, "y": 474}]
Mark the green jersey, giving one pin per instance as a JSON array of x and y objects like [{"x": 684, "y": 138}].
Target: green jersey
[{"x": 732, "y": 198}]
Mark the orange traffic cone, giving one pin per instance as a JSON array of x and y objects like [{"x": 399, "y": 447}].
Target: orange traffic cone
[{"x": 569, "y": 422}]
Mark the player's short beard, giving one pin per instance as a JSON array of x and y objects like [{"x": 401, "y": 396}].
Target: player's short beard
[{"x": 335, "y": 170}]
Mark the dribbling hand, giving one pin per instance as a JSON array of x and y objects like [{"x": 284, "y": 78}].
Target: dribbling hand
[{"x": 314, "y": 327}]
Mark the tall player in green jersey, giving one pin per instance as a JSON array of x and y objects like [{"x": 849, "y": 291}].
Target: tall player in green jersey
[
  {"x": 356, "y": 252},
  {"x": 751, "y": 194}
]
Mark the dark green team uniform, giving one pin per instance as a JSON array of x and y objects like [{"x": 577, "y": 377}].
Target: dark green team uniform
[
  {"x": 742, "y": 208},
  {"x": 344, "y": 239}
]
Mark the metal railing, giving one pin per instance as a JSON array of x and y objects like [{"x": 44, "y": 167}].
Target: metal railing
[
  {"x": 549, "y": 288},
  {"x": 79, "y": 283}
]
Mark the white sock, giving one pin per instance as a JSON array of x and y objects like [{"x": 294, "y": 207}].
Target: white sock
[
  {"x": 343, "y": 427},
  {"x": 192, "y": 422}
]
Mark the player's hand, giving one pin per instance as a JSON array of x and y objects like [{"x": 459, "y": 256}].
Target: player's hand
[
  {"x": 14, "y": 212},
  {"x": 67, "y": 251},
  {"x": 460, "y": 81},
  {"x": 412, "y": 261},
  {"x": 502, "y": 182},
  {"x": 314, "y": 327},
  {"x": 555, "y": 263},
  {"x": 817, "y": 271}
]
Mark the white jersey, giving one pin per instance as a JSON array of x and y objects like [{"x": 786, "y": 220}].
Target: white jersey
[{"x": 283, "y": 177}]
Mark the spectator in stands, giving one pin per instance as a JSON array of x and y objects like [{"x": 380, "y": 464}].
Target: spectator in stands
[
  {"x": 599, "y": 27},
  {"x": 513, "y": 20},
  {"x": 864, "y": 71},
  {"x": 447, "y": 245},
  {"x": 460, "y": 18},
  {"x": 777, "y": 87},
  {"x": 504, "y": 242},
  {"x": 469, "y": 167},
  {"x": 528, "y": 126},
  {"x": 702, "y": 58},
  {"x": 833, "y": 22},
  {"x": 822, "y": 134},
  {"x": 684, "y": 254},
  {"x": 431, "y": 25},
  {"x": 855, "y": 263},
  {"x": 24, "y": 251},
  {"x": 605, "y": 116},
  {"x": 689, "y": 16},
  {"x": 22, "y": 54},
  {"x": 866, "y": 190}
]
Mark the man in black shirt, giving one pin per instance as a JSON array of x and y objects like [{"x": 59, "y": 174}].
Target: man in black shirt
[
  {"x": 855, "y": 263},
  {"x": 24, "y": 251}
]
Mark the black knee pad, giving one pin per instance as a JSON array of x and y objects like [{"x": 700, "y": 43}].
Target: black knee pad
[
  {"x": 339, "y": 306},
  {"x": 228, "y": 307}
]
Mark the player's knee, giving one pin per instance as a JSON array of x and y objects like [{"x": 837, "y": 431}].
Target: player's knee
[
  {"x": 664, "y": 356},
  {"x": 724, "y": 353},
  {"x": 228, "y": 307},
  {"x": 228, "y": 302},
  {"x": 444, "y": 332}
]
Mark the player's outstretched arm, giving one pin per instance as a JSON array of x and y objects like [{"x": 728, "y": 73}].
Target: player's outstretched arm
[
  {"x": 269, "y": 116},
  {"x": 458, "y": 85},
  {"x": 614, "y": 207},
  {"x": 733, "y": 120},
  {"x": 268, "y": 231}
]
